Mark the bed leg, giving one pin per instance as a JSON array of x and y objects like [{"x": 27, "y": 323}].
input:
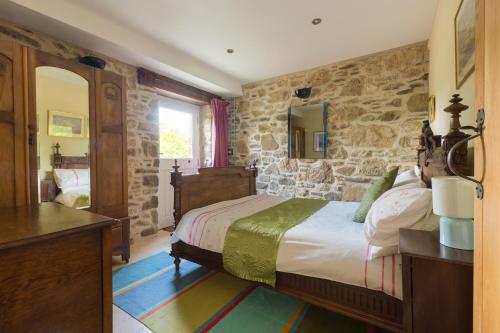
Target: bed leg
[{"x": 177, "y": 262}]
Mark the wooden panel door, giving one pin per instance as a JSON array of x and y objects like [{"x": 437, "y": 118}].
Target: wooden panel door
[
  {"x": 111, "y": 132},
  {"x": 487, "y": 165},
  {"x": 13, "y": 190}
]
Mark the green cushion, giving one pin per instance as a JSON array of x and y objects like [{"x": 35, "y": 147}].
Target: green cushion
[{"x": 373, "y": 192}]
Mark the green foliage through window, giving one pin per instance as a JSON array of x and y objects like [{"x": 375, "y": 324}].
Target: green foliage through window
[{"x": 176, "y": 134}]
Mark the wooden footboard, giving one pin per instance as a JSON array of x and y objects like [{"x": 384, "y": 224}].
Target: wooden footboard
[{"x": 209, "y": 186}]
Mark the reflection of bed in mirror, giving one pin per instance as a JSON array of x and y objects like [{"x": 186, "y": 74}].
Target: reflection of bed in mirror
[{"x": 69, "y": 182}]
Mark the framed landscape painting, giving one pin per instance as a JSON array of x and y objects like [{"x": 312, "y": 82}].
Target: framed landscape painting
[
  {"x": 465, "y": 41},
  {"x": 65, "y": 124}
]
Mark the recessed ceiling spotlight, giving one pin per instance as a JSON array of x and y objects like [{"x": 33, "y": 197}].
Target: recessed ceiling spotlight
[
  {"x": 316, "y": 21},
  {"x": 230, "y": 51}
]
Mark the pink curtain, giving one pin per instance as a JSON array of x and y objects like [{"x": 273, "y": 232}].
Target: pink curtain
[{"x": 219, "y": 132}]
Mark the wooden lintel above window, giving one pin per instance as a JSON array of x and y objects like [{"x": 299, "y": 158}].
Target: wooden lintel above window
[{"x": 173, "y": 88}]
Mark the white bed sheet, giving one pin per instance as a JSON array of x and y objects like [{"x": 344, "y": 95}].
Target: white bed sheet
[
  {"x": 327, "y": 245},
  {"x": 68, "y": 198}
]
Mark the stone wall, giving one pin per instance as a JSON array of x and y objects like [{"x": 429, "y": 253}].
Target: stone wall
[
  {"x": 205, "y": 124},
  {"x": 376, "y": 106},
  {"x": 142, "y": 127}
]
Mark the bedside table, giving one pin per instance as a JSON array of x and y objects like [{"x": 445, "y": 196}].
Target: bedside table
[{"x": 437, "y": 284}]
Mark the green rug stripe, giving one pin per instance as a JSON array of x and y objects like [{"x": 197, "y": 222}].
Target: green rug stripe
[
  {"x": 262, "y": 311},
  {"x": 225, "y": 309}
]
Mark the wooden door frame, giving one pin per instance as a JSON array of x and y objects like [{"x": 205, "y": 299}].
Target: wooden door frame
[
  {"x": 487, "y": 162},
  {"x": 478, "y": 168},
  {"x": 36, "y": 58}
]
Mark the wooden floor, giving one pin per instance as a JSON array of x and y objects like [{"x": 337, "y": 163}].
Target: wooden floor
[{"x": 122, "y": 321}]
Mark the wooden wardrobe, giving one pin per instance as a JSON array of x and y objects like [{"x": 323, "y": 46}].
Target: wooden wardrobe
[{"x": 107, "y": 136}]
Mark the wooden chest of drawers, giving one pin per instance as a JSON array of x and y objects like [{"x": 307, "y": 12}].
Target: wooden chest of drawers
[{"x": 55, "y": 272}]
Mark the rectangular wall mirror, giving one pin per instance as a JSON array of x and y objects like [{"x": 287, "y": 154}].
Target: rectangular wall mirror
[{"x": 308, "y": 131}]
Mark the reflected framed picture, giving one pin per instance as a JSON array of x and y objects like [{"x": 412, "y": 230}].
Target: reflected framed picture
[
  {"x": 319, "y": 141},
  {"x": 66, "y": 124},
  {"x": 465, "y": 41}
]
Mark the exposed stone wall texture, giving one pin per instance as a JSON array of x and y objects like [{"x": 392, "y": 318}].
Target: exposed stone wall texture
[
  {"x": 142, "y": 126},
  {"x": 205, "y": 124},
  {"x": 376, "y": 107}
]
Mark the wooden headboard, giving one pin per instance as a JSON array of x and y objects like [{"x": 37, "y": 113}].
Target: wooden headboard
[
  {"x": 48, "y": 187},
  {"x": 209, "y": 186},
  {"x": 69, "y": 162}
]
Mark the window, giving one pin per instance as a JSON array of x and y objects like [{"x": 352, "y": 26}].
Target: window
[{"x": 176, "y": 133}]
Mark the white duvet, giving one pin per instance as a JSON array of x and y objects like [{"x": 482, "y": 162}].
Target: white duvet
[
  {"x": 327, "y": 245},
  {"x": 70, "y": 196}
]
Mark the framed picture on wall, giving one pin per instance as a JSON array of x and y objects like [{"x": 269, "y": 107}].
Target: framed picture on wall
[
  {"x": 66, "y": 124},
  {"x": 319, "y": 141},
  {"x": 465, "y": 41}
]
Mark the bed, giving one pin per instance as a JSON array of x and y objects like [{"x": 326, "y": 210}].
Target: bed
[
  {"x": 69, "y": 182},
  {"x": 367, "y": 290}
]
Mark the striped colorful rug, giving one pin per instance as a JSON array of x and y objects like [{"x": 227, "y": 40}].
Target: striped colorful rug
[{"x": 198, "y": 299}]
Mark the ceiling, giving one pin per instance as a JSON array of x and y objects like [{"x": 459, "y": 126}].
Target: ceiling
[{"x": 270, "y": 38}]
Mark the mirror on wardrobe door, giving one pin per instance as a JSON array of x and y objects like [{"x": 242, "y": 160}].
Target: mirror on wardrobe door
[{"x": 62, "y": 114}]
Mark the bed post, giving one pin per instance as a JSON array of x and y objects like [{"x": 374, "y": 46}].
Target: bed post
[
  {"x": 57, "y": 157},
  {"x": 176, "y": 181},
  {"x": 253, "y": 170}
]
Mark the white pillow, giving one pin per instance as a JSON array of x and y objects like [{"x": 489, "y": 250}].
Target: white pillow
[
  {"x": 406, "y": 177},
  {"x": 418, "y": 171},
  {"x": 407, "y": 206},
  {"x": 70, "y": 178}
]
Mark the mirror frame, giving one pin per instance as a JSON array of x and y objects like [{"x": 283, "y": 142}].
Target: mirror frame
[
  {"x": 325, "y": 128},
  {"x": 36, "y": 59}
]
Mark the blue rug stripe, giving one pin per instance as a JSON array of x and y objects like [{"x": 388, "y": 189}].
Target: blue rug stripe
[
  {"x": 141, "y": 269},
  {"x": 139, "y": 300},
  {"x": 299, "y": 319}
]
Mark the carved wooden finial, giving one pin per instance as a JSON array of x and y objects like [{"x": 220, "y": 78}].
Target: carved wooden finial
[
  {"x": 460, "y": 158},
  {"x": 57, "y": 146},
  {"x": 455, "y": 108},
  {"x": 176, "y": 166}
]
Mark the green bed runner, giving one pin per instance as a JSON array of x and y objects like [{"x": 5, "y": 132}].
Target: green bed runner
[
  {"x": 251, "y": 243},
  {"x": 82, "y": 201}
]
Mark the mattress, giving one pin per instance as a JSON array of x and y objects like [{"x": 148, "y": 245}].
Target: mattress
[{"x": 327, "y": 245}]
